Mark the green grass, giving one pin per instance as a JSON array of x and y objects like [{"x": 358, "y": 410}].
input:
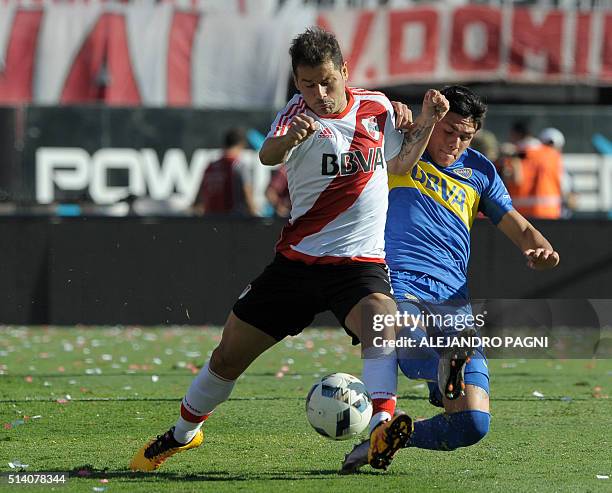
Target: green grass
[{"x": 260, "y": 439}]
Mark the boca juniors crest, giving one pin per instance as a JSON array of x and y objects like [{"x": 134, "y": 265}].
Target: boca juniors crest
[{"x": 463, "y": 172}]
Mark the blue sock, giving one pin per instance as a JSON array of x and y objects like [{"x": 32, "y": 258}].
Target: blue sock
[{"x": 450, "y": 431}]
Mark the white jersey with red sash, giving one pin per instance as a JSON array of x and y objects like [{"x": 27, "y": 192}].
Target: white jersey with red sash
[{"x": 338, "y": 181}]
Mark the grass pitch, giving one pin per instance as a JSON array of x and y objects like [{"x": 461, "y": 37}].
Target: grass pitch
[{"x": 84, "y": 400}]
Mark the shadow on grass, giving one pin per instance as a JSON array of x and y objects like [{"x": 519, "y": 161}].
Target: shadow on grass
[
  {"x": 407, "y": 397},
  {"x": 89, "y": 472}
]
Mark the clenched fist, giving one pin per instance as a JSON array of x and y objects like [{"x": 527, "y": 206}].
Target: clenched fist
[
  {"x": 435, "y": 105},
  {"x": 301, "y": 127}
]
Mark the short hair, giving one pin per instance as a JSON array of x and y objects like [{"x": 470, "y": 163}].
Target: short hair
[
  {"x": 466, "y": 103},
  {"x": 314, "y": 47},
  {"x": 521, "y": 128},
  {"x": 233, "y": 137}
]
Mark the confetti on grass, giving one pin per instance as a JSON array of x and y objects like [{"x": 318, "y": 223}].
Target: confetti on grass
[
  {"x": 19, "y": 422},
  {"x": 18, "y": 465}
]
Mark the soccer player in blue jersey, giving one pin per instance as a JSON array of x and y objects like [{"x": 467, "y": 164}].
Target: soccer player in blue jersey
[{"x": 427, "y": 241}]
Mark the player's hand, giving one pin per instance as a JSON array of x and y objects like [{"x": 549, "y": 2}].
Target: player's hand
[
  {"x": 541, "y": 258},
  {"x": 301, "y": 127},
  {"x": 435, "y": 106},
  {"x": 403, "y": 116}
]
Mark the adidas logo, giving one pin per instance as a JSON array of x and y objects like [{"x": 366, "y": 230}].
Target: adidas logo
[{"x": 326, "y": 133}]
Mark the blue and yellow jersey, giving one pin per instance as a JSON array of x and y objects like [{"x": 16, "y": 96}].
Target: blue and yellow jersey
[{"x": 431, "y": 211}]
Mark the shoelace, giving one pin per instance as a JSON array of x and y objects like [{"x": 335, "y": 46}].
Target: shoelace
[{"x": 157, "y": 447}]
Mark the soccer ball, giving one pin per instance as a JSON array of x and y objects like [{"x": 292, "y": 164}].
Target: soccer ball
[{"x": 338, "y": 406}]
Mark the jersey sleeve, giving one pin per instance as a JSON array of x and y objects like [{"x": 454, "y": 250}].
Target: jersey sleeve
[
  {"x": 495, "y": 200},
  {"x": 280, "y": 125},
  {"x": 393, "y": 137}
]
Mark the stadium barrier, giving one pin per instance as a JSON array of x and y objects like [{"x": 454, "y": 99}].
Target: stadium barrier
[
  {"x": 148, "y": 271},
  {"x": 53, "y": 154}
]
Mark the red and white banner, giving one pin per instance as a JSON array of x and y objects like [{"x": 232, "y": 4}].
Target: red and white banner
[
  {"x": 161, "y": 55},
  {"x": 474, "y": 43},
  {"x": 144, "y": 55}
]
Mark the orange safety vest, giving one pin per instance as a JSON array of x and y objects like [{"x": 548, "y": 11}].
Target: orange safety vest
[{"x": 539, "y": 193}]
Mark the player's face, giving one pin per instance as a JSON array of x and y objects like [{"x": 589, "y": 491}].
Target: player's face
[
  {"x": 323, "y": 87},
  {"x": 450, "y": 137}
]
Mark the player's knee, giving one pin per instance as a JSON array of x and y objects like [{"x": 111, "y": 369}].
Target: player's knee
[
  {"x": 470, "y": 427},
  {"x": 374, "y": 304},
  {"x": 373, "y": 308},
  {"x": 223, "y": 363}
]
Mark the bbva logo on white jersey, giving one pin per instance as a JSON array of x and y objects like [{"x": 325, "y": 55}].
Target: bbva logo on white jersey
[{"x": 348, "y": 163}]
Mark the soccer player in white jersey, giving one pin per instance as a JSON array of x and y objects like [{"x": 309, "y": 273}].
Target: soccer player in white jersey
[{"x": 337, "y": 144}]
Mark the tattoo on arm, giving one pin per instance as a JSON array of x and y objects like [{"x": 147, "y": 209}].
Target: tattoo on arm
[{"x": 411, "y": 138}]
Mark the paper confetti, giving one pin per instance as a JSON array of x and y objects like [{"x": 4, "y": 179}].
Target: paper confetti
[{"x": 17, "y": 465}]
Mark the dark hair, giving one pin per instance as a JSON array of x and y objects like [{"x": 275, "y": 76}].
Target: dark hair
[
  {"x": 234, "y": 137},
  {"x": 314, "y": 47},
  {"x": 520, "y": 128},
  {"x": 466, "y": 103}
]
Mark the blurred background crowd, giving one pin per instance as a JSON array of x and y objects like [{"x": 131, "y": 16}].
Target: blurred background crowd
[{"x": 146, "y": 107}]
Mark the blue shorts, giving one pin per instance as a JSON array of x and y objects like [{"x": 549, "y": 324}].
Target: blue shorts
[{"x": 417, "y": 293}]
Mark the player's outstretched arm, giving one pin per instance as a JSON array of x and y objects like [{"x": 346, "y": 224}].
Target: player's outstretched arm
[
  {"x": 275, "y": 150},
  {"x": 435, "y": 106},
  {"x": 537, "y": 250}
]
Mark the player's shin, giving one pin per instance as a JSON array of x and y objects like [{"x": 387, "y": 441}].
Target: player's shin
[
  {"x": 380, "y": 378},
  {"x": 206, "y": 392}
]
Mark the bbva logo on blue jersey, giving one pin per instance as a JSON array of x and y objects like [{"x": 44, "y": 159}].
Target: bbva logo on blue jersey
[
  {"x": 348, "y": 163},
  {"x": 450, "y": 193}
]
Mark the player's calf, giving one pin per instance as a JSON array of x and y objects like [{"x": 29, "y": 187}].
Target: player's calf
[{"x": 450, "y": 431}]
